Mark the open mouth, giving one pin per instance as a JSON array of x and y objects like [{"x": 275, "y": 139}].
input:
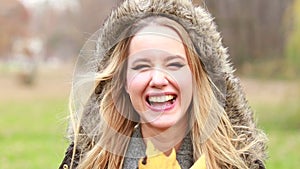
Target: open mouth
[{"x": 162, "y": 102}]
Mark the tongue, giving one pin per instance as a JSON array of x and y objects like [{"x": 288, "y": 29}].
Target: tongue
[{"x": 161, "y": 105}]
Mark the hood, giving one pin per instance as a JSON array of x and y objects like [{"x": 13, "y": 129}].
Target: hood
[{"x": 208, "y": 43}]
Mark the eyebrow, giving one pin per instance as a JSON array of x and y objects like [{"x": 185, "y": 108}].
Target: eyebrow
[
  {"x": 140, "y": 60},
  {"x": 174, "y": 57},
  {"x": 168, "y": 58}
]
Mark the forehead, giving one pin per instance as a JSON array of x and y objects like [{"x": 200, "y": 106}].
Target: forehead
[
  {"x": 158, "y": 38},
  {"x": 159, "y": 30}
]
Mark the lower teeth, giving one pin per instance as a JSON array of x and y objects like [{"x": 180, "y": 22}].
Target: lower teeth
[{"x": 162, "y": 103}]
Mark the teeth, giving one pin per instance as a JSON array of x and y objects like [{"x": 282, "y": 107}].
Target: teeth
[{"x": 161, "y": 99}]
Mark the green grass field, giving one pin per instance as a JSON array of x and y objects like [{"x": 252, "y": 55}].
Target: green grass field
[
  {"x": 277, "y": 110},
  {"x": 32, "y": 133},
  {"x": 33, "y": 121},
  {"x": 281, "y": 123}
]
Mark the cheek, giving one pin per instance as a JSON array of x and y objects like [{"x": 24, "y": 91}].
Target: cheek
[
  {"x": 187, "y": 89},
  {"x": 184, "y": 82},
  {"x": 136, "y": 82},
  {"x": 135, "y": 86},
  {"x": 183, "y": 78}
]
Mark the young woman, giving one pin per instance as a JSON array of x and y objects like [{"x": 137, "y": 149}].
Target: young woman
[{"x": 158, "y": 73}]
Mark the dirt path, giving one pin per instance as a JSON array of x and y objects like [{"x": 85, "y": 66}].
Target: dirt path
[
  {"x": 50, "y": 83},
  {"x": 270, "y": 91}
]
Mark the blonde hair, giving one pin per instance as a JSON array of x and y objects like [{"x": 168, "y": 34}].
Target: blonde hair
[{"x": 218, "y": 147}]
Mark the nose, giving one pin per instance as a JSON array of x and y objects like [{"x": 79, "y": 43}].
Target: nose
[{"x": 158, "y": 79}]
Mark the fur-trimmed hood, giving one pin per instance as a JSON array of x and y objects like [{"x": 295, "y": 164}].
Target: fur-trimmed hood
[{"x": 208, "y": 43}]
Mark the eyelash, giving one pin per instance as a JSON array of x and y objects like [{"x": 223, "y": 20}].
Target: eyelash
[
  {"x": 176, "y": 64},
  {"x": 144, "y": 66},
  {"x": 139, "y": 67}
]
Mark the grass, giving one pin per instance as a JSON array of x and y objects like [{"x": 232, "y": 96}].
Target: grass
[
  {"x": 284, "y": 149},
  {"x": 32, "y": 133},
  {"x": 284, "y": 138},
  {"x": 281, "y": 123}
]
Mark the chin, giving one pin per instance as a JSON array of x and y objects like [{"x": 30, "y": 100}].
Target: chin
[{"x": 162, "y": 124}]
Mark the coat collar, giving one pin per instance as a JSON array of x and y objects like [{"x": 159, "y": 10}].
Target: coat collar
[{"x": 136, "y": 150}]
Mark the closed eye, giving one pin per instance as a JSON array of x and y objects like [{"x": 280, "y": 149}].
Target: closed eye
[
  {"x": 141, "y": 67},
  {"x": 175, "y": 65}
]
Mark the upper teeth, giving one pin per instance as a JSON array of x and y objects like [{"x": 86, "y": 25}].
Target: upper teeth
[{"x": 161, "y": 98}]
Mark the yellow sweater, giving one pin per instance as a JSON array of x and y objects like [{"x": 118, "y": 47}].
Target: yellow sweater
[{"x": 156, "y": 159}]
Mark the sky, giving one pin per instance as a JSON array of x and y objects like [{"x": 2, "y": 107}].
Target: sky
[{"x": 60, "y": 5}]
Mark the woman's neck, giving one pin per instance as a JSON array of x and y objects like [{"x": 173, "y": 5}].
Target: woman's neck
[{"x": 165, "y": 139}]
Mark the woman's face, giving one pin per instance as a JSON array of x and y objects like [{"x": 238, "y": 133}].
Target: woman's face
[{"x": 159, "y": 80}]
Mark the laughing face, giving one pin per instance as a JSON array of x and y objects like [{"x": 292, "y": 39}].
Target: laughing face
[{"x": 159, "y": 79}]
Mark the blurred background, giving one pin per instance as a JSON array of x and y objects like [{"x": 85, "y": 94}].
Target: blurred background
[{"x": 40, "y": 41}]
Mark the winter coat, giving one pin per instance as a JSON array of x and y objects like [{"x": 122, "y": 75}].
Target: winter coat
[{"x": 207, "y": 41}]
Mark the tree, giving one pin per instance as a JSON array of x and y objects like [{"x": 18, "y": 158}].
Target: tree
[
  {"x": 14, "y": 19},
  {"x": 292, "y": 49},
  {"x": 251, "y": 29}
]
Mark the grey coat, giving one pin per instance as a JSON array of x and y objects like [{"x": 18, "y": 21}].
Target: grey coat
[
  {"x": 208, "y": 43},
  {"x": 184, "y": 155}
]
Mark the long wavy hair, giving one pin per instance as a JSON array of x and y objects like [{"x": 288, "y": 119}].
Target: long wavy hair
[{"x": 117, "y": 112}]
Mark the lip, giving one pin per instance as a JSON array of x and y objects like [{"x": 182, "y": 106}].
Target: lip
[{"x": 164, "y": 108}]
